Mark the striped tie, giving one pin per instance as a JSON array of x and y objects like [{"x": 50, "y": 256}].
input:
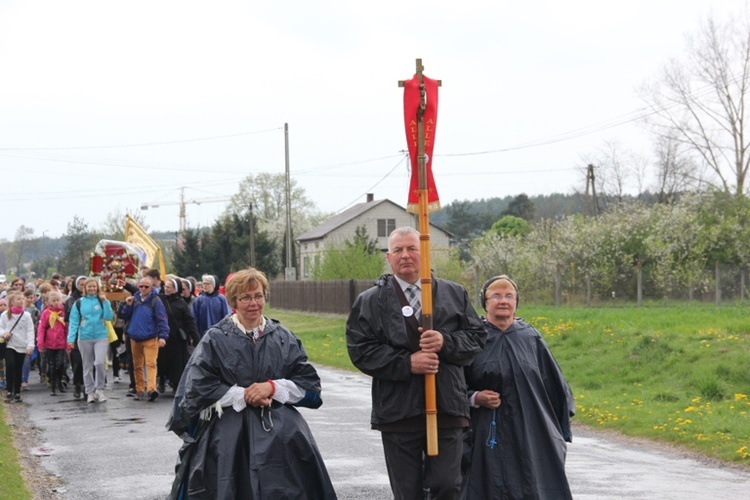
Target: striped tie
[{"x": 414, "y": 300}]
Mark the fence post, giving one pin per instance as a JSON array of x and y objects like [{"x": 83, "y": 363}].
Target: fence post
[
  {"x": 476, "y": 284},
  {"x": 352, "y": 291},
  {"x": 742, "y": 285},
  {"x": 588, "y": 290},
  {"x": 558, "y": 286},
  {"x": 639, "y": 273},
  {"x": 718, "y": 285}
]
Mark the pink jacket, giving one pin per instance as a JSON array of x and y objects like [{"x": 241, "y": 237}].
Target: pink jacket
[{"x": 55, "y": 337}]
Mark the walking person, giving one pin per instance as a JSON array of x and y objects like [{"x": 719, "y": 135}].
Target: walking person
[
  {"x": 17, "y": 329},
  {"x": 29, "y": 299},
  {"x": 182, "y": 333},
  {"x": 521, "y": 407},
  {"x": 76, "y": 363},
  {"x": 88, "y": 331},
  {"x": 235, "y": 408},
  {"x": 52, "y": 341},
  {"x": 188, "y": 287},
  {"x": 148, "y": 331},
  {"x": 386, "y": 341},
  {"x": 3, "y": 308},
  {"x": 210, "y": 306}
]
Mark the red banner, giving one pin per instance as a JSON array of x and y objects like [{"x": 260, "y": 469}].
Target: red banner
[{"x": 411, "y": 105}]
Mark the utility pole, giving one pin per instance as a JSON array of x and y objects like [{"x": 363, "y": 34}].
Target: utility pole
[
  {"x": 252, "y": 237},
  {"x": 290, "y": 273},
  {"x": 592, "y": 203}
]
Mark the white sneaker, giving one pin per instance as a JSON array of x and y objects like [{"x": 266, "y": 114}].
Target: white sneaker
[
  {"x": 91, "y": 398},
  {"x": 99, "y": 394},
  {"x": 116, "y": 380}
]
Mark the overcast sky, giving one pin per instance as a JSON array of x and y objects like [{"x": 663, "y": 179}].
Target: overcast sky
[{"x": 105, "y": 106}]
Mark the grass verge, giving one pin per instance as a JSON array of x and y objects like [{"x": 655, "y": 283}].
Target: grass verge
[
  {"x": 674, "y": 374},
  {"x": 10, "y": 470}
]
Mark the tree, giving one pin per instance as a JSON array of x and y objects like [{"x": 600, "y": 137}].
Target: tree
[
  {"x": 700, "y": 100},
  {"x": 676, "y": 172},
  {"x": 362, "y": 240},
  {"x": 225, "y": 248},
  {"x": 23, "y": 243},
  {"x": 113, "y": 227},
  {"x": 43, "y": 266},
  {"x": 511, "y": 226},
  {"x": 356, "y": 259},
  {"x": 187, "y": 254},
  {"x": 462, "y": 221},
  {"x": 81, "y": 241},
  {"x": 521, "y": 206},
  {"x": 267, "y": 194}
]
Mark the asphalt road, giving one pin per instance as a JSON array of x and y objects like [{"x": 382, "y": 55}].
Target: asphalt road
[{"x": 121, "y": 450}]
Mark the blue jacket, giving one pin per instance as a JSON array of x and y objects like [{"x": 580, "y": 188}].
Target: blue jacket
[
  {"x": 148, "y": 318},
  {"x": 209, "y": 310},
  {"x": 89, "y": 323}
]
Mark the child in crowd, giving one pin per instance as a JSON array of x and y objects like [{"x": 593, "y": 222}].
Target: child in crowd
[
  {"x": 29, "y": 303},
  {"x": 3, "y": 308},
  {"x": 52, "y": 336},
  {"x": 17, "y": 327}
]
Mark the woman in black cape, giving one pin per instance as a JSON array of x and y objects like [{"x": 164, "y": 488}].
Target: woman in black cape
[
  {"x": 182, "y": 333},
  {"x": 235, "y": 408}
]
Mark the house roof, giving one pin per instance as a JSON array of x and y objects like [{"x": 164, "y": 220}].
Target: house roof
[{"x": 347, "y": 215}]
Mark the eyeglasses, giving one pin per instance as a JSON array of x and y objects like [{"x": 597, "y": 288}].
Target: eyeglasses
[
  {"x": 144, "y": 286},
  {"x": 258, "y": 298},
  {"x": 497, "y": 297}
]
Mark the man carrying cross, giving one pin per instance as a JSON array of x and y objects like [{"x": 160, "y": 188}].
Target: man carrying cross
[{"x": 385, "y": 340}]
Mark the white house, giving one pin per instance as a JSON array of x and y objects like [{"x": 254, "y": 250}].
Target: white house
[{"x": 379, "y": 218}]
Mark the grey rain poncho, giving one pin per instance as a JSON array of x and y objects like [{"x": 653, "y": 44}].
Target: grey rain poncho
[
  {"x": 531, "y": 425},
  {"x": 253, "y": 453}
]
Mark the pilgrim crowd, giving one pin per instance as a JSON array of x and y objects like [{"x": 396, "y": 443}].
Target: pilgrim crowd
[{"x": 236, "y": 378}]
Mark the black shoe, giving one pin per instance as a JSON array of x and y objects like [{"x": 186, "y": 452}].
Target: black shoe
[
  {"x": 131, "y": 393},
  {"x": 152, "y": 396},
  {"x": 53, "y": 392},
  {"x": 61, "y": 388},
  {"x": 77, "y": 391},
  {"x": 9, "y": 398},
  {"x": 162, "y": 389},
  {"x": 17, "y": 397}
]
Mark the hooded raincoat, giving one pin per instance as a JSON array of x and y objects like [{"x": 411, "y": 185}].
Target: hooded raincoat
[
  {"x": 209, "y": 308},
  {"x": 253, "y": 453},
  {"x": 519, "y": 449}
]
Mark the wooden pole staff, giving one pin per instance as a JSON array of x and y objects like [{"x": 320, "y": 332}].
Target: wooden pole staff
[{"x": 424, "y": 267}]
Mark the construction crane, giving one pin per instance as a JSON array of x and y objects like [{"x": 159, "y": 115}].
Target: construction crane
[{"x": 182, "y": 203}]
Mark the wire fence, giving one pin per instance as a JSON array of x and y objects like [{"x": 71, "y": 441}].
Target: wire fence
[{"x": 723, "y": 285}]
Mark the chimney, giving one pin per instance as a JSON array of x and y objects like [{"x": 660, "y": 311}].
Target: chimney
[{"x": 370, "y": 197}]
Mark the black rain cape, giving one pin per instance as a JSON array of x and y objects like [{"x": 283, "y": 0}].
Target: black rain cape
[
  {"x": 532, "y": 423},
  {"x": 249, "y": 455}
]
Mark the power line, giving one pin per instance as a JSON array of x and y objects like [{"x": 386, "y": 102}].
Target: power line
[
  {"x": 144, "y": 144},
  {"x": 405, "y": 156}
]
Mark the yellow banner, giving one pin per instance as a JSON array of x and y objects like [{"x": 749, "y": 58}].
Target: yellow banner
[{"x": 135, "y": 234}]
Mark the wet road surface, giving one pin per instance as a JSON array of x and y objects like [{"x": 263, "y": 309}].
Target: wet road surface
[{"x": 120, "y": 450}]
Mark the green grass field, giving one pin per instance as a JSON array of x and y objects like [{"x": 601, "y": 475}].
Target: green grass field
[{"x": 676, "y": 374}]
